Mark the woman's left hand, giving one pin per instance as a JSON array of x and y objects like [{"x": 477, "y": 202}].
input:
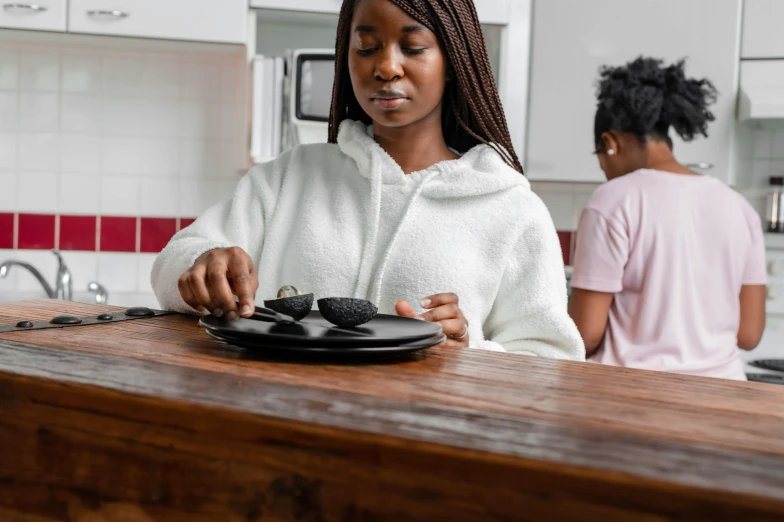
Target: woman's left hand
[{"x": 442, "y": 309}]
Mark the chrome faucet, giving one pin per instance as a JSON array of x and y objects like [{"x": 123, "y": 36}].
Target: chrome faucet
[{"x": 63, "y": 286}]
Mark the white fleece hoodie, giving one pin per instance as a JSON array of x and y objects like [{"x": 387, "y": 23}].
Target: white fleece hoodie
[{"x": 345, "y": 221}]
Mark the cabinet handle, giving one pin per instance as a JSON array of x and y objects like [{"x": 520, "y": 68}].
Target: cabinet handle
[
  {"x": 24, "y": 8},
  {"x": 108, "y": 13},
  {"x": 699, "y": 166}
]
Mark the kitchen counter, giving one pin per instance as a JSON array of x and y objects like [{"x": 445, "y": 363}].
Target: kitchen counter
[{"x": 152, "y": 420}]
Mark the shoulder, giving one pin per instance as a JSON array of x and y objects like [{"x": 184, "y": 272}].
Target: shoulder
[
  {"x": 303, "y": 160},
  {"x": 614, "y": 193}
]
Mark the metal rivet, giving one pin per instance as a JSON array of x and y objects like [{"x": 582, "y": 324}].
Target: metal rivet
[
  {"x": 24, "y": 324},
  {"x": 105, "y": 317},
  {"x": 139, "y": 311},
  {"x": 66, "y": 319}
]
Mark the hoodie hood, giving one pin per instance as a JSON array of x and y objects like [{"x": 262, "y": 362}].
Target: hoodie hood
[{"x": 478, "y": 172}]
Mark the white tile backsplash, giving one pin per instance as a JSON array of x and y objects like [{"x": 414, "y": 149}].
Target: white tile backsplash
[
  {"x": 9, "y": 70},
  {"x": 159, "y": 197},
  {"x": 7, "y": 150},
  {"x": 9, "y": 111},
  {"x": 121, "y": 74},
  {"x": 123, "y": 116},
  {"x": 83, "y": 267},
  {"x": 86, "y": 130},
  {"x": 39, "y": 151},
  {"x": 80, "y": 113},
  {"x": 158, "y": 157},
  {"x": 8, "y": 180},
  {"x": 80, "y": 153},
  {"x": 120, "y": 156},
  {"x": 161, "y": 77},
  {"x": 39, "y": 112},
  {"x": 81, "y": 73},
  {"x": 79, "y": 194},
  {"x": 118, "y": 272},
  {"x": 120, "y": 196},
  {"x": 145, "y": 269},
  {"x": 43, "y": 260},
  {"x": 39, "y": 71},
  {"x": 777, "y": 149},
  {"x": 37, "y": 192},
  {"x": 8, "y": 283}
]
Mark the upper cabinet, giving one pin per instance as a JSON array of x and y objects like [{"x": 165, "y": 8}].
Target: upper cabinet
[
  {"x": 43, "y": 15},
  {"x": 762, "y": 25},
  {"x": 223, "y": 21},
  {"x": 572, "y": 39}
]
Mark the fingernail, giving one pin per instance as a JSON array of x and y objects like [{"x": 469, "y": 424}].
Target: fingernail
[
  {"x": 203, "y": 310},
  {"x": 426, "y": 303},
  {"x": 232, "y": 316},
  {"x": 245, "y": 310},
  {"x": 217, "y": 312}
]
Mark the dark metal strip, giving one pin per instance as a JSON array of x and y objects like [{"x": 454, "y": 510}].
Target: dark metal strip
[{"x": 105, "y": 318}]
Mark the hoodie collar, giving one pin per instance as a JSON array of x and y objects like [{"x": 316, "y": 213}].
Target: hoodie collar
[{"x": 478, "y": 172}]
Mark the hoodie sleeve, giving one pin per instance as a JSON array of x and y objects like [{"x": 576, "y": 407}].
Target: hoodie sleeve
[
  {"x": 237, "y": 222},
  {"x": 529, "y": 315}
]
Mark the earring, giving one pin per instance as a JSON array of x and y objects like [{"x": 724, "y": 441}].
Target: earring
[{"x": 610, "y": 152}]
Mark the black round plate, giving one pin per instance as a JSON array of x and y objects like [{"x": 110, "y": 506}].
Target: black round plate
[
  {"x": 769, "y": 364},
  {"x": 314, "y": 330},
  {"x": 353, "y": 351}
]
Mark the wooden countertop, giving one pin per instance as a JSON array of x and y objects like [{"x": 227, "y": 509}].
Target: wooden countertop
[{"x": 152, "y": 420}]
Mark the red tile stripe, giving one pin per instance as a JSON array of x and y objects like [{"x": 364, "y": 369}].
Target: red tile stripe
[
  {"x": 117, "y": 233},
  {"x": 87, "y": 233}
]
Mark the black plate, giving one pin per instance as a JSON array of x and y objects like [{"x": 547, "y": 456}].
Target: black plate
[
  {"x": 769, "y": 364},
  {"x": 353, "y": 351},
  {"x": 314, "y": 330},
  {"x": 769, "y": 378}
]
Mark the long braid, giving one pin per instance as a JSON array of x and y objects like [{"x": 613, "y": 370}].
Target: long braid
[{"x": 472, "y": 113}]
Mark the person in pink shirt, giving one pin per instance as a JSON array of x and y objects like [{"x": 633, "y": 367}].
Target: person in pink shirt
[{"x": 669, "y": 270}]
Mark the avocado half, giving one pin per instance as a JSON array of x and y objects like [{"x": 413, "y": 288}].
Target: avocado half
[
  {"x": 297, "y": 306},
  {"x": 347, "y": 312}
]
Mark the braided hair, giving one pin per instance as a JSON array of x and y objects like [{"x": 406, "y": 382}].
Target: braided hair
[
  {"x": 646, "y": 98},
  {"x": 472, "y": 113}
]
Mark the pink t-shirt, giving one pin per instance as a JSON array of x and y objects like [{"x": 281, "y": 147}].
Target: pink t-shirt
[{"x": 675, "y": 250}]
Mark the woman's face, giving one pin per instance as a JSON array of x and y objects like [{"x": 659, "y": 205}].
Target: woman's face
[{"x": 397, "y": 66}]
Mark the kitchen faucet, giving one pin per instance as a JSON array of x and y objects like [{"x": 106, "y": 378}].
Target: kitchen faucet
[{"x": 63, "y": 288}]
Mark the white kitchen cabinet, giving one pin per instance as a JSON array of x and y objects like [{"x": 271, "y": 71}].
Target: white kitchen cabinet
[
  {"x": 573, "y": 38},
  {"x": 762, "y": 25},
  {"x": 42, "y": 15},
  {"x": 223, "y": 21}
]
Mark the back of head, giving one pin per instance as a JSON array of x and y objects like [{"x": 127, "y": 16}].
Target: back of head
[{"x": 647, "y": 98}]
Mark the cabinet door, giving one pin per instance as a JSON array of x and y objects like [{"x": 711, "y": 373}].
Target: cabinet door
[
  {"x": 762, "y": 24},
  {"x": 44, "y": 15},
  {"x": 573, "y": 38},
  {"x": 222, "y": 21}
]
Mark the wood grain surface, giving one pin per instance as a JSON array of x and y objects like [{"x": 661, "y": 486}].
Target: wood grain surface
[{"x": 153, "y": 420}]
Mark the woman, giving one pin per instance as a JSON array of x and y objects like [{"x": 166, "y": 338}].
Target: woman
[
  {"x": 669, "y": 269},
  {"x": 417, "y": 199}
]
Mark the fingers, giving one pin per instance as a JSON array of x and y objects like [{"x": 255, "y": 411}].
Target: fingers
[
  {"x": 210, "y": 285},
  {"x": 403, "y": 309},
  {"x": 442, "y": 313},
  {"x": 454, "y": 328},
  {"x": 244, "y": 283},
  {"x": 198, "y": 285},
  {"x": 434, "y": 301},
  {"x": 188, "y": 295}
]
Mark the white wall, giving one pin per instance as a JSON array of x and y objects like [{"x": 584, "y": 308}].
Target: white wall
[{"x": 110, "y": 129}]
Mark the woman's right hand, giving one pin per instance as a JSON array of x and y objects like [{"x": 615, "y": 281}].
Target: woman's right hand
[{"x": 210, "y": 285}]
